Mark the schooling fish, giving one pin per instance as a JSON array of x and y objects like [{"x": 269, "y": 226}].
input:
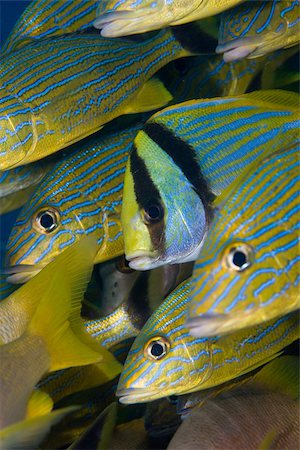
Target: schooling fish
[
  {"x": 166, "y": 360},
  {"x": 256, "y": 28},
  {"x": 50, "y": 18},
  {"x": 82, "y": 195},
  {"x": 248, "y": 269},
  {"x": 120, "y": 18},
  {"x": 184, "y": 157},
  {"x": 41, "y": 329},
  {"x": 61, "y": 89}
]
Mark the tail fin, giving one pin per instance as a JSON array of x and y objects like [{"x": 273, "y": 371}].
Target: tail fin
[{"x": 57, "y": 316}]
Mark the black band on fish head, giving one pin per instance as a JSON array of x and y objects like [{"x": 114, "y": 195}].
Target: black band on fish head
[
  {"x": 184, "y": 156},
  {"x": 148, "y": 199}
]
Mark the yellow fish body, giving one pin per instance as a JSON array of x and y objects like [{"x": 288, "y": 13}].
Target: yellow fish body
[
  {"x": 256, "y": 28},
  {"x": 43, "y": 19},
  {"x": 248, "y": 268},
  {"x": 166, "y": 360},
  {"x": 120, "y": 18},
  {"x": 61, "y": 89},
  {"x": 82, "y": 195}
]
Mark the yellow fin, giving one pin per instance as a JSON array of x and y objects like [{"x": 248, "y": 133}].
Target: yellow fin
[
  {"x": 153, "y": 95},
  {"x": 57, "y": 316},
  {"x": 39, "y": 404},
  {"x": 278, "y": 97},
  {"x": 280, "y": 375},
  {"x": 27, "y": 434}
]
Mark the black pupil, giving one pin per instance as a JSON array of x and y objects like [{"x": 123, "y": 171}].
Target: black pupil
[
  {"x": 153, "y": 212},
  {"x": 46, "y": 221},
  {"x": 239, "y": 258},
  {"x": 157, "y": 349}
]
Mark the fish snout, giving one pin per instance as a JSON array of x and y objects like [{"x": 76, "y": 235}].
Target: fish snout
[{"x": 20, "y": 273}]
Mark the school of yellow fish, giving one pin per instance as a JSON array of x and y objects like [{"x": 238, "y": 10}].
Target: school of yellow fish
[{"x": 152, "y": 149}]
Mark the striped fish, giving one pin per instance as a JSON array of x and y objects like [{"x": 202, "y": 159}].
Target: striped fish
[
  {"x": 166, "y": 360},
  {"x": 81, "y": 195},
  {"x": 45, "y": 18},
  {"x": 184, "y": 157},
  {"x": 61, "y": 89},
  {"x": 123, "y": 17},
  {"x": 248, "y": 269},
  {"x": 256, "y": 28}
]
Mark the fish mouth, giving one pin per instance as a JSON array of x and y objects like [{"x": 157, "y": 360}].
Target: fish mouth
[
  {"x": 137, "y": 395},
  {"x": 207, "y": 325},
  {"x": 20, "y": 273},
  {"x": 236, "y": 49},
  {"x": 120, "y": 23},
  {"x": 142, "y": 260}
]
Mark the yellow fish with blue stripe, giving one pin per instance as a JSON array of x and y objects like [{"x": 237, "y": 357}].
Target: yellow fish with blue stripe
[
  {"x": 166, "y": 360},
  {"x": 82, "y": 195},
  {"x": 123, "y": 17},
  {"x": 59, "y": 90},
  {"x": 248, "y": 269},
  {"x": 256, "y": 28},
  {"x": 184, "y": 157},
  {"x": 49, "y": 18}
]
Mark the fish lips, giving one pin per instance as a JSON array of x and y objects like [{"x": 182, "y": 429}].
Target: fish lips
[
  {"x": 20, "y": 273},
  {"x": 137, "y": 395}
]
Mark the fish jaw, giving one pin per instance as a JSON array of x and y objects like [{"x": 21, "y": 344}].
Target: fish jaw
[
  {"x": 144, "y": 260},
  {"x": 21, "y": 273}
]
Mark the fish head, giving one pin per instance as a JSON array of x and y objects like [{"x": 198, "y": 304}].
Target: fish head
[
  {"x": 254, "y": 29},
  {"x": 247, "y": 272},
  {"x": 51, "y": 221},
  {"x": 121, "y": 18},
  {"x": 163, "y": 218},
  {"x": 164, "y": 359}
]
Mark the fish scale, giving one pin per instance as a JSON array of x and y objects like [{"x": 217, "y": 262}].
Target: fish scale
[
  {"x": 86, "y": 189},
  {"x": 260, "y": 210},
  {"x": 80, "y": 83},
  {"x": 191, "y": 363}
]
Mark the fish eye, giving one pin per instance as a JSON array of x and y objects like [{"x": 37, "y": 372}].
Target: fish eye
[
  {"x": 156, "y": 348},
  {"x": 122, "y": 265},
  {"x": 239, "y": 257},
  {"x": 46, "y": 220},
  {"x": 153, "y": 212}
]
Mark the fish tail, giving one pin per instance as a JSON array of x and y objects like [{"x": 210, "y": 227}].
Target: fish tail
[
  {"x": 194, "y": 39},
  {"x": 57, "y": 317}
]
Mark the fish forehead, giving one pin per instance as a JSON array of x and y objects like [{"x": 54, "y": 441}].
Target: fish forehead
[
  {"x": 86, "y": 188},
  {"x": 257, "y": 18},
  {"x": 261, "y": 212}
]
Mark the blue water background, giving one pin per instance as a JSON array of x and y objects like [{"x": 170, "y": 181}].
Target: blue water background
[{"x": 10, "y": 11}]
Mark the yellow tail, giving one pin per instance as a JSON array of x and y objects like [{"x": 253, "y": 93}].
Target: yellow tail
[{"x": 57, "y": 316}]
